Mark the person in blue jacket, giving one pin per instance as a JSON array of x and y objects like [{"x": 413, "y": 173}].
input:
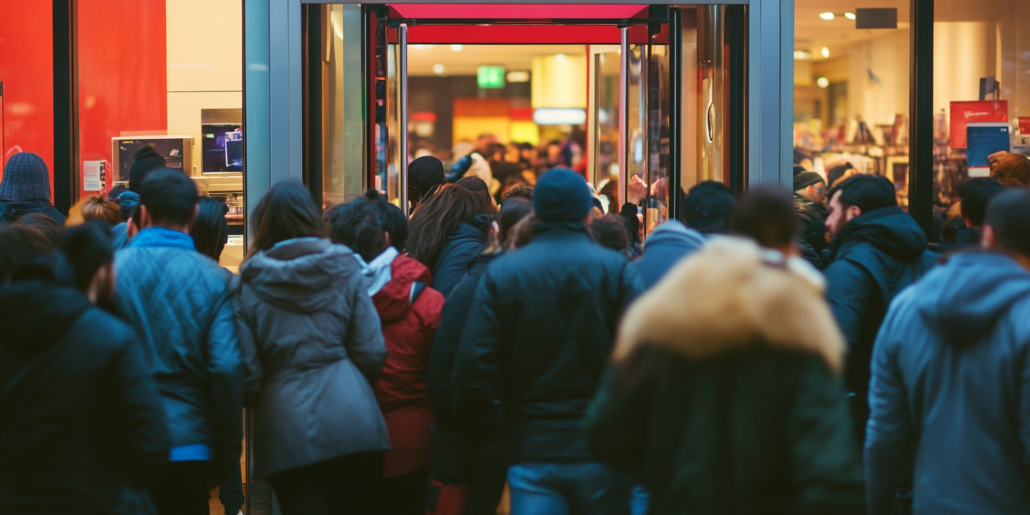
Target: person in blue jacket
[
  {"x": 876, "y": 251},
  {"x": 951, "y": 379},
  {"x": 178, "y": 301}
]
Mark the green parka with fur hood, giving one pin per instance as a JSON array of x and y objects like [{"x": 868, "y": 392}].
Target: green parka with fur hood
[{"x": 724, "y": 395}]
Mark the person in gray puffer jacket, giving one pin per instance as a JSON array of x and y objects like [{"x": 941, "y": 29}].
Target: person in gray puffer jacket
[{"x": 312, "y": 347}]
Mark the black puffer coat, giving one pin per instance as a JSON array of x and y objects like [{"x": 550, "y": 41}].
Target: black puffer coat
[
  {"x": 538, "y": 338},
  {"x": 813, "y": 229},
  {"x": 83, "y": 429},
  {"x": 12, "y": 211},
  {"x": 875, "y": 256}
]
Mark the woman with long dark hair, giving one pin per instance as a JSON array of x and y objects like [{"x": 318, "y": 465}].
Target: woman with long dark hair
[
  {"x": 447, "y": 231},
  {"x": 312, "y": 347},
  {"x": 210, "y": 231}
]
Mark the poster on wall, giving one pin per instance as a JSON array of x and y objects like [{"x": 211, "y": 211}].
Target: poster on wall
[
  {"x": 964, "y": 113},
  {"x": 1024, "y": 121},
  {"x": 93, "y": 175}
]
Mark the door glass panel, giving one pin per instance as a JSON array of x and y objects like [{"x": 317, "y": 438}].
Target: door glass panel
[
  {"x": 342, "y": 119},
  {"x": 391, "y": 174},
  {"x": 604, "y": 117},
  {"x": 657, "y": 206},
  {"x": 636, "y": 156}
]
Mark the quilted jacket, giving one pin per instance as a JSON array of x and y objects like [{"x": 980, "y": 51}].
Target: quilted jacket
[{"x": 177, "y": 300}]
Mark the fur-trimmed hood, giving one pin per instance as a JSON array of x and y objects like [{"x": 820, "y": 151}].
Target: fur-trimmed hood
[{"x": 727, "y": 296}]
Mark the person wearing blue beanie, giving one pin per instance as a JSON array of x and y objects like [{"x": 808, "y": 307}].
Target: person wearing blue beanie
[
  {"x": 535, "y": 342},
  {"x": 25, "y": 189},
  {"x": 562, "y": 195}
]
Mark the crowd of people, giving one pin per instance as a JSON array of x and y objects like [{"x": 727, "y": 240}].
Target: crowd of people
[{"x": 764, "y": 354}]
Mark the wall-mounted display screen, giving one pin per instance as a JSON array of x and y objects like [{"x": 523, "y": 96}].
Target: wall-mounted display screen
[{"x": 222, "y": 147}]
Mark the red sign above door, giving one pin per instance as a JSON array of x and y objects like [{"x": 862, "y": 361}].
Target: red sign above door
[{"x": 518, "y": 11}]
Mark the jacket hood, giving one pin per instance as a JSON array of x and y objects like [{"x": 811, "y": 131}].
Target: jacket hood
[
  {"x": 963, "y": 298},
  {"x": 39, "y": 304},
  {"x": 300, "y": 275},
  {"x": 394, "y": 301},
  {"x": 889, "y": 229},
  {"x": 673, "y": 234},
  {"x": 737, "y": 299},
  {"x": 476, "y": 231},
  {"x": 11, "y": 211}
]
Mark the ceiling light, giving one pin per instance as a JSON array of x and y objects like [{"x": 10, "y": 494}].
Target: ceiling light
[
  {"x": 802, "y": 55},
  {"x": 849, "y": 15},
  {"x": 828, "y": 16},
  {"x": 438, "y": 69},
  {"x": 556, "y": 116},
  {"x": 559, "y": 58},
  {"x": 825, "y": 52},
  {"x": 457, "y": 48},
  {"x": 822, "y": 82},
  {"x": 517, "y": 76}
]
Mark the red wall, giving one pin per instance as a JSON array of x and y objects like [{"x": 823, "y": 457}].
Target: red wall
[
  {"x": 123, "y": 87},
  {"x": 26, "y": 69}
]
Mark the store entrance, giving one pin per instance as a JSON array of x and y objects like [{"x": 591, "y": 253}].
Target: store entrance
[{"x": 623, "y": 94}]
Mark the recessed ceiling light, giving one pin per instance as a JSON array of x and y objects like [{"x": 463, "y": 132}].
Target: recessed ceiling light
[
  {"x": 825, "y": 52},
  {"x": 849, "y": 15},
  {"x": 822, "y": 82},
  {"x": 802, "y": 55},
  {"x": 828, "y": 16},
  {"x": 560, "y": 58},
  {"x": 517, "y": 76},
  {"x": 438, "y": 69},
  {"x": 457, "y": 48}
]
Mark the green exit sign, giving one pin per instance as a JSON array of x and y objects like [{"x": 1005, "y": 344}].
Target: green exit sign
[{"x": 490, "y": 76}]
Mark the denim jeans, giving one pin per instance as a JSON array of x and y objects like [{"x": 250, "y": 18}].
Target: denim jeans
[{"x": 568, "y": 489}]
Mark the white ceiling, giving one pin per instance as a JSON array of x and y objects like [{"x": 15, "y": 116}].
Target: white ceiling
[
  {"x": 422, "y": 58},
  {"x": 812, "y": 32}
]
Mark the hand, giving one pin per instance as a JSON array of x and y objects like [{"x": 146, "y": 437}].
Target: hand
[{"x": 636, "y": 190}]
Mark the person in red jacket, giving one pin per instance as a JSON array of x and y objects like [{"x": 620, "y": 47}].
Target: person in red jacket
[{"x": 409, "y": 310}]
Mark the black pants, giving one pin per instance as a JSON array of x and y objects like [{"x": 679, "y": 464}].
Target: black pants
[
  {"x": 182, "y": 489},
  {"x": 404, "y": 495},
  {"x": 340, "y": 486}
]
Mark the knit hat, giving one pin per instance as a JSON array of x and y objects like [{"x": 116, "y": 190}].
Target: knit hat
[
  {"x": 424, "y": 173},
  {"x": 806, "y": 179},
  {"x": 26, "y": 177},
  {"x": 561, "y": 195},
  {"x": 146, "y": 160}
]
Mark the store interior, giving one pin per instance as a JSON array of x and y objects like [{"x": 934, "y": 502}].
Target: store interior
[{"x": 852, "y": 86}]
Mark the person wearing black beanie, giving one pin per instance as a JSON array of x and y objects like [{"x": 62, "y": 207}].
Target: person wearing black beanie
[
  {"x": 145, "y": 161},
  {"x": 425, "y": 175},
  {"x": 536, "y": 342}
]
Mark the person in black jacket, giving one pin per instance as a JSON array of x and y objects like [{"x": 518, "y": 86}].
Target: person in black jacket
[
  {"x": 537, "y": 339},
  {"x": 975, "y": 196},
  {"x": 810, "y": 204},
  {"x": 877, "y": 250},
  {"x": 83, "y": 429},
  {"x": 471, "y": 470}
]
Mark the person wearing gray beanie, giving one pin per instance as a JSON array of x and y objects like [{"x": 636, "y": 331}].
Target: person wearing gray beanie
[
  {"x": 26, "y": 189},
  {"x": 535, "y": 344}
]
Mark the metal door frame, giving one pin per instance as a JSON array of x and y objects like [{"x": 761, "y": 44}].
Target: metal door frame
[{"x": 273, "y": 87}]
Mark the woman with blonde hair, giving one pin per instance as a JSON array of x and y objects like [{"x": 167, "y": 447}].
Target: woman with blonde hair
[{"x": 99, "y": 208}]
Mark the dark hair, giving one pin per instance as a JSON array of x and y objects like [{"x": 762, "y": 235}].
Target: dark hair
[
  {"x": 610, "y": 231},
  {"x": 976, "y": 194},
  {"x": 357, "y": 224},
  {"x": 284, "y": 213},
  {"x": 472, "y": 183},
  {"x": 87, "y": 247},
  {"x": 766, "y": 214},
  {"x": 524, "y": 191},
  {"x": 1008, "y": 214},
  {"x": 45, "y": 225},
  {"x": 169, "y": 196},
  {"x": 495, "y": 148},
  {"x": 210, "y": 231},
  {"x": 708, "y": 207},
  {"x": 436, "y": 218},
  {"x": 19, "y": 243},
  {"x": 837, "y": 172},
  {"x": 393, "y": 219},
  {"x": 512, "y": 210},
  {"x": 867, "y": 192}
]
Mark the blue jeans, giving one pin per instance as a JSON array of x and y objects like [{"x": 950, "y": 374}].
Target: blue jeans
[{"x": 568, "y": 489}]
